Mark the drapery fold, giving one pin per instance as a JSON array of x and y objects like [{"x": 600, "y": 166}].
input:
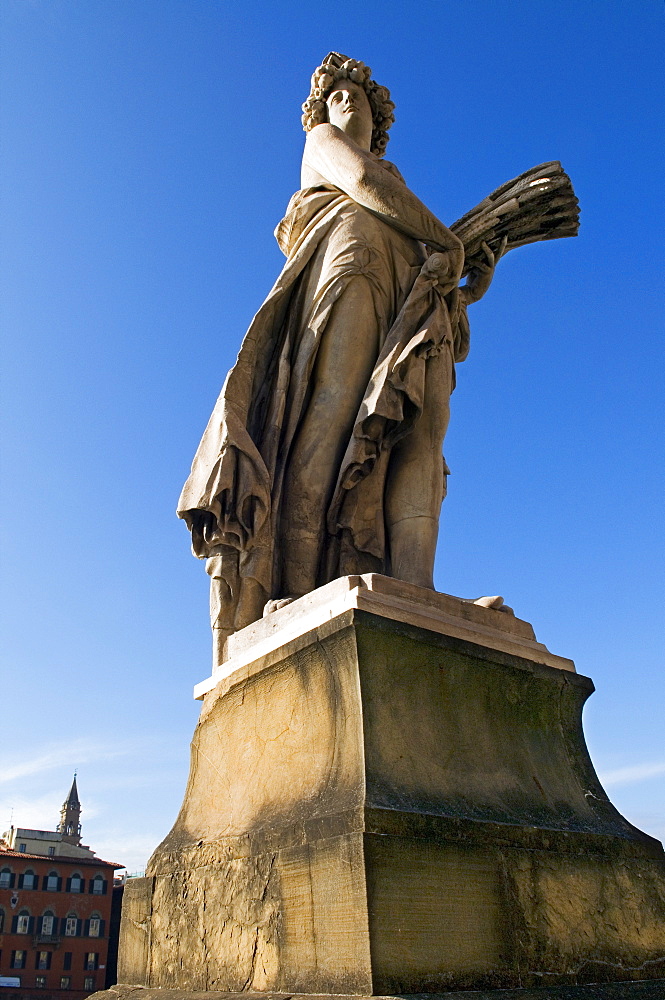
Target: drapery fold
[{"x": 231, "y": 500}]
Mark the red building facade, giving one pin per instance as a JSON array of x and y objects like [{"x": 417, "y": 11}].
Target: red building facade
[{"x": 54, "y": 925}]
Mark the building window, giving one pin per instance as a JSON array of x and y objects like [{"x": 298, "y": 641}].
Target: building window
[
  {"x": 94, "y": 929},
  {"x": 28, "y": 880},
  {"x": 65, "y": 982},
  {"x": 40, "y": 982},
  {"x": 52, "y": 881},
  {"x": 76, "y": 883},
  {"x": 2, "y": 919},
  {"x": 51, "y": 852},
  {"x": 91, "y": 961},
  {"x": 98, "y": 885},
  {"x": 89, "y": 983},
  {"x": 5, "y": 879},
  {"x": 70, "y": 926},
  {"x": 23, "y": 922},
  {"x": 18, "y": 959},
  {"x": 21, "y": 848},
  {"x": 47, "y": 924},
  {"x": 43, "y": 960},
  {"x": 67, "y": 961}
]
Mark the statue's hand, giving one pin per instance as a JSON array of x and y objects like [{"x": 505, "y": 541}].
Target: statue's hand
[{"x": 482, "y": 272}]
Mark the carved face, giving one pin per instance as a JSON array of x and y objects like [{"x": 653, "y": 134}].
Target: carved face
[{"x": 348, "y": 109}]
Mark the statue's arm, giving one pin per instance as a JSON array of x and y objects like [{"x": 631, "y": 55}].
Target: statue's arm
[{"x": 329, "y": 153}]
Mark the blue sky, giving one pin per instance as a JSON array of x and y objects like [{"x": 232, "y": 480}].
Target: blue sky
[{"x": 150, "y": 148}]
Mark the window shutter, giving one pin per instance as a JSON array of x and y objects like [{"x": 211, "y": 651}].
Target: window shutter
[
  {"x": 104, "y": 887},
  {"x": 14, "y": 924},
  {"x": 63, "y": 925},
  {"x": 40, "y": 924},
  {"x": 59, "y": 884},
  {"x": 31, "y": 925},
  {"x": 79, "y": 928},
  {"x": 44, "y": 882},
  {"x": 67, "y": 964},
  {"x": 69, "y": 885},
  {"x": 86, "y": 928},
  {"x": 82, "y": 885},
  {"x": 101, "y": 928},
  {"x": 20, "y": 881},
  {"x": 12, "y": 880}
]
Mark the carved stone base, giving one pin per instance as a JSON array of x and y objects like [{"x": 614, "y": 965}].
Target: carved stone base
[{"x": 395, "y": 799}]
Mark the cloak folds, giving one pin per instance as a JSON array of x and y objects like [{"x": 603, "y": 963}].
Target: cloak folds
[{"x": 231, "y": 500}]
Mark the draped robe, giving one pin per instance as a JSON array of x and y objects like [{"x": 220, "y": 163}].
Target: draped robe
[{"x": 232, "y": 500}]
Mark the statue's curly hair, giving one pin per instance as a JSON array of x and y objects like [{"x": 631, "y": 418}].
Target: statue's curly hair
[{"x": 336, "y": 67}]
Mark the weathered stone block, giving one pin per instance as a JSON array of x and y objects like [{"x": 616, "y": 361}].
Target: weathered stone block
[
  {"x": 135, "y": 929},
  {"x": 395, "y": 802}
]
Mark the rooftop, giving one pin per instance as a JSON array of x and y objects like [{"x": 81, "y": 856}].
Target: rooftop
[
  {"x": 24, "y": 831},
  {"x": 6, "y": 852}
]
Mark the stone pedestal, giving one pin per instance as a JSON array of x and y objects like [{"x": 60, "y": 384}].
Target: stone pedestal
[{"x": 390, "y": 793}]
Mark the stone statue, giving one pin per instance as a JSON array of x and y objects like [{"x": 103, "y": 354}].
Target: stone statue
[{"x": 323, "y": 456}]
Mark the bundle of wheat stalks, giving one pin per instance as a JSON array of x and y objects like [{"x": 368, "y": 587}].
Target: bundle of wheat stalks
[{"x": 537, "y": 205}]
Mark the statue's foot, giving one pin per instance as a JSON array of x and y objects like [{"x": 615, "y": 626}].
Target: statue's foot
[
  {"x": 495, "y": 603},
  {"x": 278, "y": 603}
]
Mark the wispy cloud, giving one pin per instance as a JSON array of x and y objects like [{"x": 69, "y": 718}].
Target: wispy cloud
[
  {"x": 73, "y": 753},
  {"x": 631, "y": 775},
  {"x": 36, "y": 812}
]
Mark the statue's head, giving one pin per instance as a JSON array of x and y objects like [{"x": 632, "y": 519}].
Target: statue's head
[{"x": 334, "y": 68}]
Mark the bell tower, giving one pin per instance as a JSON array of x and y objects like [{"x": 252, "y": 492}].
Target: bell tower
[{"x": 69, "y": 826}]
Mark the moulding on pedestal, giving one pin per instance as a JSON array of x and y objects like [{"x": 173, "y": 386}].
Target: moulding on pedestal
[{"x": 392, "y": 599}]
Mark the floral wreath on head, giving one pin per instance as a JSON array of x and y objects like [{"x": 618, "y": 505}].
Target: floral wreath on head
[{"x": 337, "y": 67}]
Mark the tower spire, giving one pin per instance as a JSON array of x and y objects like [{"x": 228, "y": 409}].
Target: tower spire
[{"x": 70, "y": 814}]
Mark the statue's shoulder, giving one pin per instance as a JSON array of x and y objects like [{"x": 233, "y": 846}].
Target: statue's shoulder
[
  {"x": 321, "y": 134},
  {"x": 392, "y": 169}
]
